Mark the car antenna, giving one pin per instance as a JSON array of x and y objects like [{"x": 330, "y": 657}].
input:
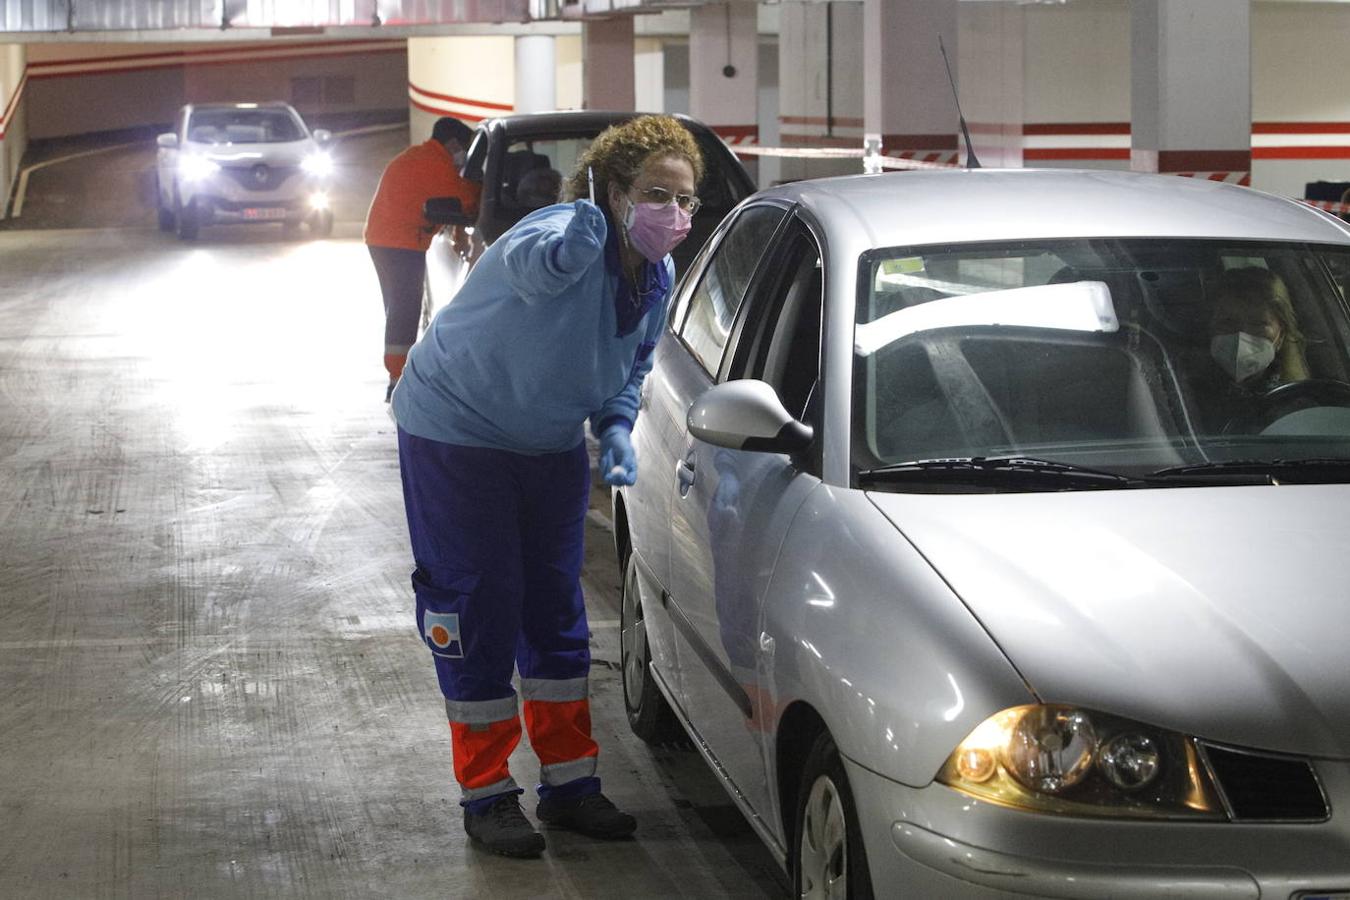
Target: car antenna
[{"x": 971, "y": 161}]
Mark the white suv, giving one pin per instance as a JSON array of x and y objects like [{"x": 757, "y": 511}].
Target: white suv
[{"x": 243, "y": 162}]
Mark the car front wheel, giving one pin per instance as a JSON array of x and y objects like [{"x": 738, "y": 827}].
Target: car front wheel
[
  {"x": 187, "y": 220},
  {"x": 649, "y": 715},
  {"x": 830, "y": 862}
]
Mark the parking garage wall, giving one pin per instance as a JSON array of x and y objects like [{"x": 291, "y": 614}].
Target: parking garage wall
[
  {"x": 1077, "y": 89},
  {"x": 83, "y": 88}
]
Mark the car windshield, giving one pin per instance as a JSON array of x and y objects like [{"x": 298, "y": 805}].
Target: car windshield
[
  {"x": 243, "y": 126},
  {"x": 1133, "y": 357}
]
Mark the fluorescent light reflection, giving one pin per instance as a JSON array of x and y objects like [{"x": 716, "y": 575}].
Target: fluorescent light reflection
[{"x": 245, "y": 335}]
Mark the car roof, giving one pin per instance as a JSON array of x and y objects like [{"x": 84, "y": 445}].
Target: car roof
[
  {"x": 242, "y": 104},
  {"x": 575, "y": 121},
  {"x": 970, "y": 205}
]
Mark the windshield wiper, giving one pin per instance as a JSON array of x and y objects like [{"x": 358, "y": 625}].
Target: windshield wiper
[
  {"x": 1314, "y": 470},
  {"x": 1021, "y": 472}
]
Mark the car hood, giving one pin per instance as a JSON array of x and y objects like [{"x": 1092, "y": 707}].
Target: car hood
[
  {"x": 289, "y": 153},
  {"x": 1221, "y": 612}
]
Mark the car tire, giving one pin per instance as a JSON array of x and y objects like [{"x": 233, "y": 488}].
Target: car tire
[
  {"x": 649, "y": 715},
  {"x": 186, "y": 217},
  {"x": 321, "y": 224},
  {"x": 828, "y": 859},
  {"x": 165, "y": 215}
]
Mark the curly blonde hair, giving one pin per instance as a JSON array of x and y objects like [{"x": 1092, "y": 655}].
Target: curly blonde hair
[{"x": 618, "y": 154}]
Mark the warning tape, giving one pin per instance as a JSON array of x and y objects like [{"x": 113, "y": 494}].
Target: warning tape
[{"x": 1330, "y": 206}]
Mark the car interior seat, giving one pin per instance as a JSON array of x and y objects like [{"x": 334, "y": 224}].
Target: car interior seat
[{"x": 515, "y": 166}]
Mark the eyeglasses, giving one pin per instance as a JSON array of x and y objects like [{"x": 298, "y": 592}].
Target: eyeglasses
[{"x": 659, "y": 195}]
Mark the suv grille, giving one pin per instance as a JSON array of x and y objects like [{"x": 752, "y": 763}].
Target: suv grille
[
  {"x": 1259, "y": 787},
  {"x": 260, "y": 176}
]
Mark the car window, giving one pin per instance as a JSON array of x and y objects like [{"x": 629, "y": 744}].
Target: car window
[
  {"x": 1126, "y": 355},
  {"x": 243, "y": 126},
  {"x": 714, "y": 301},
  {"x": 532, "y": 172},
  {"x": 780, "y": 344}
]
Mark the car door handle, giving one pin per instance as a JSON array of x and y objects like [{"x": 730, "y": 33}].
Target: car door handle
[{"x": 684, "y": 471}]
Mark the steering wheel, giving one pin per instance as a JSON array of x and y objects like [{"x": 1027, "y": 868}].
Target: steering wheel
[{"x": 1280, "y": 401}]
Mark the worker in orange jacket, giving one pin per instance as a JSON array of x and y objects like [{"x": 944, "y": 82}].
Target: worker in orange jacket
[{"x": 398, "y": 235}]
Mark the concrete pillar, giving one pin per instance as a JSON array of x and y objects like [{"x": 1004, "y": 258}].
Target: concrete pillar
[
  {"x": 820, "y": 84},
  {"x": 13, "y": 134},
  {"x": 607, "y": 63},
  {"x": 1191, "y": 89},
  {"x": 724, "y": 69},
  {"x": 907, "y": 97},
  {"x": 536, "y": 73},
  {"x": 470, "y": 78}
]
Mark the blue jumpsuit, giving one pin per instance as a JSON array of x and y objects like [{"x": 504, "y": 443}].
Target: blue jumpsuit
[{"x": 544, "y": 334}]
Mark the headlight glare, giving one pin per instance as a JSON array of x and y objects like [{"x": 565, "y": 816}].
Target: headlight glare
[
  {"x": 1070, "y": 761},
  {"x": 196, "y": 168},
  {"x": 320, "y": 165}
]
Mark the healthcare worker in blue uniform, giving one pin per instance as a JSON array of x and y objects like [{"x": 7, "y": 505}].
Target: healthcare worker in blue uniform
[{"x": 554, "y": 327}]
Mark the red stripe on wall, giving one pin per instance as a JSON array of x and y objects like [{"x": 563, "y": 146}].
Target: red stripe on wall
[
  {"x": 505, "y": 107},
  {"x": 821, "y": 120},
  {"x": 177, "y": 56},
  {"x": 469, "y": 118},
  {"x": 1301, "y": 128},
  {"x": 1076, "y": 153},
  {"x": 894, "y": 142},
  {"x": 8, "y": 114},
  {"x": 731, "y": 132},
  {"x": 1204, "y": 160},
  {"x": 170, "y": 63},
  {"x": 1301, "y": 153},
  {"x": 1077, "y": 128}
]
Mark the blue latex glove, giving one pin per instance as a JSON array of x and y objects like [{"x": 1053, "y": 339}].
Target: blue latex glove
[{"x": 618, "y": 462}]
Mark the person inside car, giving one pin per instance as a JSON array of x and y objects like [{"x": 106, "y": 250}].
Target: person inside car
[
  {"x": 554, "y": 327},
  {"x": 1254, "y": 335}
]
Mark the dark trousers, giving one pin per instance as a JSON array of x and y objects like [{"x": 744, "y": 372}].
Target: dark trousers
[
  {"x": 497, "y": 538},
  {"x": 401, "y": 274}
]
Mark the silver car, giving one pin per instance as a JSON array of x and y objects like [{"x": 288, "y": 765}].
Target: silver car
[
  {"x": 992, "y": 535},
  {"x": 243, "y": 162}
]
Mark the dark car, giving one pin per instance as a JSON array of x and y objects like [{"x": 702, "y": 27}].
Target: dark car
[{"x": 522, "y": 161}]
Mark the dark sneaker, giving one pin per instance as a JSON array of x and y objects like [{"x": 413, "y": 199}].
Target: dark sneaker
[
  {"x": 503, "y": 828},
  {"x": 592, "y": 815}
]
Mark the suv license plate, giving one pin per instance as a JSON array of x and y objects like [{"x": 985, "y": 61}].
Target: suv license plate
[{"x": 265, "y": 212}]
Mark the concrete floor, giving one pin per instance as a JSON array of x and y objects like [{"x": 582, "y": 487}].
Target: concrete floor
[{"x": 210, "y": 679}]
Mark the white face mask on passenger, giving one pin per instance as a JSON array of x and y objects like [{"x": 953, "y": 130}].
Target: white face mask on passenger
[{"x": 1242, "y": 355}]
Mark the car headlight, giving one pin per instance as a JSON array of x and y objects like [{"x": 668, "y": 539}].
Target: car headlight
[
  {"x": 196, "y": 168},
  {"x": 1061, "y": 759},
  {"x": 320, "y": 165}
]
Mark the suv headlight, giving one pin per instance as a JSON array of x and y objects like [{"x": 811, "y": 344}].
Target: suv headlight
[
  {"x": 1061, "y": 759},
  {"x": 196, "y": 168},
  {"x": 320, "y": 165}
]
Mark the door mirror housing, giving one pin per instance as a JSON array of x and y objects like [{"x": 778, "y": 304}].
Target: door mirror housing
[
  {"x": 445, "y": 211},
  {"x": 747, "y": 415},
  {"x": 168, "y": 141},
  {"x": 321, "y": 135}
]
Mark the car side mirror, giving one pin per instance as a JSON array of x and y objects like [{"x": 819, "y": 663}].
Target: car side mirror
[
  {"x": 167, "y": 141},
  {"x": 747, "y": 415},
  {"x": 445, "y": 211},
  {"x": 321, "y": 135}
]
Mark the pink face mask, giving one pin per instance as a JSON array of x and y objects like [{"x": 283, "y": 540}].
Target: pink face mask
[{"x": 656, "y": 228}]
